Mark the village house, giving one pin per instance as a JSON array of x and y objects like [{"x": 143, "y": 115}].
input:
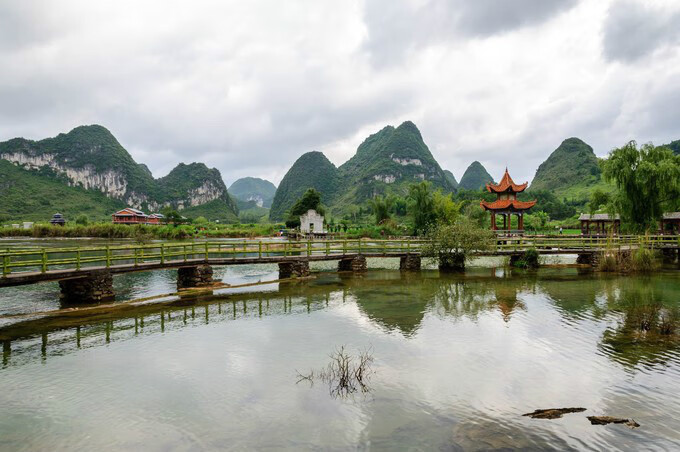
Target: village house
[
  {"x": 136, "y": 216},
  {"x": 311, "y": 222}
]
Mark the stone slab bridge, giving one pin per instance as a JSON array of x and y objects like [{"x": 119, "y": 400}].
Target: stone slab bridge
[{"x": 85, "y": 274}]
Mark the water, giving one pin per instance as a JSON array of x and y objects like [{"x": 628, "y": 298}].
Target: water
[{"x": 457, "y": 360}]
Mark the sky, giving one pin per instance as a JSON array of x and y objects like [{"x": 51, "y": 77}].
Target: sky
[{"x": 249, "y": 86}]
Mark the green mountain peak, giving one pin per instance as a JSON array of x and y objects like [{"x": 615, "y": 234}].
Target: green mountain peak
[{"x": 475, "y": 177}]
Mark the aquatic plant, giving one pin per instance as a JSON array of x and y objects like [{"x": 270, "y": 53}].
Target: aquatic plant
[{"x": 345, "y": 374}]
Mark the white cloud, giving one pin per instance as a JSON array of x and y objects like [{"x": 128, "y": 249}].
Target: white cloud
[{"x": 247, "y": 87}]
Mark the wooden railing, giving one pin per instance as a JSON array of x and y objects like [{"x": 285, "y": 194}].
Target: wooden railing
[{"x": 14, "y": 260}]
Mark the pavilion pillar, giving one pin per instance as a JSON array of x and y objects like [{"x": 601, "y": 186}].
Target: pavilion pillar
[
  {"x": 493, "y": 220},
  {"x": 521, "y": 221},
  {"x": 505, "y": 222}
]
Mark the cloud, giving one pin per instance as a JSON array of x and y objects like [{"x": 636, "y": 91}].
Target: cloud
[
  {"x": 395, "y": 28},
  {"x": 634, "y": 30},
  {"x": 247, "y": 87}
]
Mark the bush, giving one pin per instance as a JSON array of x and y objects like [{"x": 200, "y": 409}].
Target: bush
[
  {"x": 450, "y": 245},
  {"x": 530, "y": 259},
  {"x": 82, "y": 220}
]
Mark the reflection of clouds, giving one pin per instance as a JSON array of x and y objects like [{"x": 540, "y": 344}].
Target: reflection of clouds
[{"x": 463, "y": 375}]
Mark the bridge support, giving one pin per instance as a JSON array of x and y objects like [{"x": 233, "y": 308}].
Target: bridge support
[
  {"x": 93, "y": 288},
  {"x": 669, "y": 255},
  {"x": 195, "y": 276},
  {"x": 293, "y": 269},
  {"x": 587, "y": 259},
  {"x": 356, "y": 264},
  {"x": 409, "y": 263}
]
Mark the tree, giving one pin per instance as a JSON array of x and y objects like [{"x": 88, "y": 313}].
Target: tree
[
  {"x": 647, "y": 178},
  {"x": 446, "y": 210},
  {"x": 381, "y": 206},
  {"x": 172, "y": 216},
  {"x": 450, "y": 245},
  {"x": 311, "y": 199},
  {"x": 422, "y": 207},
  {"x": 598, "y": 198},
  {"x": 82, "y": 220}
]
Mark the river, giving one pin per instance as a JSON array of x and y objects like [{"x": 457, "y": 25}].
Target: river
[{"x": 457, "y": 360}]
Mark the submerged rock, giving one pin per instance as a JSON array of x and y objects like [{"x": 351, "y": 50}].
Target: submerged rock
[
  {"x": 604, "y": 420},
  {"x": 553, "y": 413}
]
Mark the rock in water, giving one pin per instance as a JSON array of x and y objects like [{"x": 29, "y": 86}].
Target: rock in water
[
  {"x": 604, "y": 420},
  {"x": 553, "y": 413}
]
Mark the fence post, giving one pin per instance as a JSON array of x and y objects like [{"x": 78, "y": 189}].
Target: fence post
[
  {"x": 78, "y": 259},
  {"x": 184, "y": 248},
  {"x": 328, "y": 248},
  {"x": 359, "y": 246},
  {"x": 44, "y": 260},
  {"x": 344, "y": 247},
  {"x": 206, "y": 251},
  {"x": 5, "y": 265},
  {"x": 259, "y": 249},
  {"x": 408, "y": 246},
  {"x": 162, "y": 253},
  {"x": 309, "y": 248}
]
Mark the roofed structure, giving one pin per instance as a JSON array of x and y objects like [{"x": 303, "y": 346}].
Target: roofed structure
[{"x": 506, "y": 203}]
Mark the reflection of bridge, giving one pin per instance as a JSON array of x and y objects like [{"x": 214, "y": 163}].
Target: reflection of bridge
[{"x": 85, "y": 273}]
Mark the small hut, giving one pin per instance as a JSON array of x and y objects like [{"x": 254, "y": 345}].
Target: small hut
[
  {"x": 603, "y": 222},
  {"x": 670, "y": 223}
]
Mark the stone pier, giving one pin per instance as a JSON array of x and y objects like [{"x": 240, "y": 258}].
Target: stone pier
[
  {"x": 356, "y": 264},
  {"x": 93, "y": 288},
  {"x": 587, "y": 259},
  {"x": 293, "y": 269},
  {"x": 669, "y": 255},
  {"x": 409, "y": 263},
  {"x": 194, "y": 276}
]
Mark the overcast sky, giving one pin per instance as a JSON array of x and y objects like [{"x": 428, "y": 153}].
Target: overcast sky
[{"x": 249, "y": 86}]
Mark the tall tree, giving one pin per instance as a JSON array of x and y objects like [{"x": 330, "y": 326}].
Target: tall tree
[
  {"x": 381, "y": 206},
  {"x": 422, "y": 207},
  {"x": 648, "y": 180}
]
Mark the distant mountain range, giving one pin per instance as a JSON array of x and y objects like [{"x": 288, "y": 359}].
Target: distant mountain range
[
  {"x": 88, "y": 171},
  {"x": 253, "y": 189},
  {"x": 90, "y": 161}
]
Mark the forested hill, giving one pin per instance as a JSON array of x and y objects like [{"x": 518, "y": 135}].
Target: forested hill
[
  {"x": 311, "y": 170},
  {"x": 571, "y": 171},
  {"x": 253, "y": 189},
  {"x": 451, "y": 178},
  {"x": 475, "y": 177},
  {"x": 386, "y": 163},
  {"x": 90, "y": 158}
]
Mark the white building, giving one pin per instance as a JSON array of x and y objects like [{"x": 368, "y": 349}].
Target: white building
[{"x": 311, "y": 222}]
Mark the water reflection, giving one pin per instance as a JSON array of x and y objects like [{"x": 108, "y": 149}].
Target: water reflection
[{"x": 458, "y": 359}]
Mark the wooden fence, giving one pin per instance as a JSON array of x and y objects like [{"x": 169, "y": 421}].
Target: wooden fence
[{"x": 16, "y": 260}]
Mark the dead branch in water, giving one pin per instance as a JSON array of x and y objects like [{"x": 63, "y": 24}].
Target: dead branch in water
[{"x": 345, "y": 374}]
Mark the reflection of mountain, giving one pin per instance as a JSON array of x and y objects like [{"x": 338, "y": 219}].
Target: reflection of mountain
[{"x": 394, "y": 304}]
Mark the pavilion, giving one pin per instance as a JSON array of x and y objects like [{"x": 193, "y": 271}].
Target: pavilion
[
  {"x": 603, "y": 223},
  {"x": 506, "y": 203}
]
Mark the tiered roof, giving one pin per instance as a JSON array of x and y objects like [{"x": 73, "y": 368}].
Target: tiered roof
[
  {"x": 506, "y": 184},
  {"x": 504, "y": 204},
  {"x": 509, "y": 187}
]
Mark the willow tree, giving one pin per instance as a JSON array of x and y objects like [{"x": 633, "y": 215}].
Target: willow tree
[{"x": 647, "y": 178}]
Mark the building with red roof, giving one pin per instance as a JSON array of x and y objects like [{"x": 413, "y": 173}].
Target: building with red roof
[{"x": 506, "y": 203}]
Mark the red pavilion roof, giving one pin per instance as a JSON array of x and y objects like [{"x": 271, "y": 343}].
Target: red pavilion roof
[
  {"x": 505, "y": 204},
  {"x": 506, "y": 184}
]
